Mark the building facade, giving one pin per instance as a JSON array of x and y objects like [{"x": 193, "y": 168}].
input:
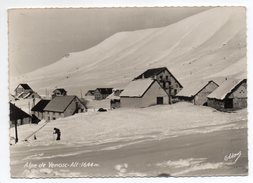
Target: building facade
[
  {"x": 18, "y": 116},
  {"x": 38, "y": 109},
  {"x": 197, "y": 93},
  {"x": 230, "y": 95},
  {"x": 143, "y": 93},
  {"x": 102, "y": 93},
  {"x": 165, "y": 78},
  {"x": 63, "y": 106}
]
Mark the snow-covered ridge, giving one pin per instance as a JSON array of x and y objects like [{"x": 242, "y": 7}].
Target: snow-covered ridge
[{"x": 194, "y": 48}]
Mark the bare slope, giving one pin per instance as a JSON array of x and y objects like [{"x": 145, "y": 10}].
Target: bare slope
[{"x": 204, "y": 46}]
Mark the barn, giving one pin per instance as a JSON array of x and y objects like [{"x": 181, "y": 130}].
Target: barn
[
  {"x": 143, "y": 93},
  {"x": 38, "y": 109},
  {"x": 165, "y": 78},
  {"x": 197, "y": 92},
  {"x": 19, "y": 116},
  {"x": 63, "y": 106},
  {"x": 102, "y": 93},
  {"x": 230, "y": 95}
]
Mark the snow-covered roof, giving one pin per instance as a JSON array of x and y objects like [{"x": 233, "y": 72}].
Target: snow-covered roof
[
  {"x": 12, "y": 97},
  {"x": 27, "y": 95},
  {"x": 115, "y": 96},
  {"x": 137, "y": 88},
  {"x": 59, "y": 103},
  {"x": 151, "y": 72},
  {"x": 19, "y": 95},
  {"x": 193, "y": 89},
  {"x": 225, "y": 88}
]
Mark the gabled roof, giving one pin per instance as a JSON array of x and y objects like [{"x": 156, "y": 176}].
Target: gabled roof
[
  {"x": 226, "y": 88},
  {"x": 62, "y": 90},
  {"x": 90, "y": 91},
  {"x": 194, "y": 88},
  {"x": 155, "y": 71},
  {"x": 151, "y": 72},
  {"x": 25, "y": 86},
  {"x": 17, "y": 113},
  {"x": 40, "y": 105},
  {"x": 137, "y": 88},
  {"x": 59, "y": 103},
  {"x": 105, "y": 90}
]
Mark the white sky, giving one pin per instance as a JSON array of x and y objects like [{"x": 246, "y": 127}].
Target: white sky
[{"x": 38, "y": 37}]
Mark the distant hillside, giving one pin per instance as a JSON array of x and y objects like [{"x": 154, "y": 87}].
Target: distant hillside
[{"x": 211, "y": 44}]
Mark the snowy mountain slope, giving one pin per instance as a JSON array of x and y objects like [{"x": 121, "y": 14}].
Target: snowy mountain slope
[{"x": 204, "y": 46}]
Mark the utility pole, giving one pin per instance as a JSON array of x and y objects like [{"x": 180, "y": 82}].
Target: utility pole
[
  {"x": 16, "y": 131},
  {"x": 16, "y": 126}
]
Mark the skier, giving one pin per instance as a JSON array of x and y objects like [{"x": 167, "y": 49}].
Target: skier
[{"x": 58, "y": 133}]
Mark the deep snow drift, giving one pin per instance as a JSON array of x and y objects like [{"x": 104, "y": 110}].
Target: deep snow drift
[
  {"x": 132, "y": 124},
  {"x": 208, "y": 45}
]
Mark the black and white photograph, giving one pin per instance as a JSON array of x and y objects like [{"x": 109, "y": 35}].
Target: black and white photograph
[{"x": 128, "y": 92}]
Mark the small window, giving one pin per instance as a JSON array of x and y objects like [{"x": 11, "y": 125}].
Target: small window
[
  {"x": 164, "y": 84},
  {"x": 167, "y": 77},
  {"x": 54, "y": 118},
  {"x": 159, "y": 100},
  {"x": 161, "y": 77}
]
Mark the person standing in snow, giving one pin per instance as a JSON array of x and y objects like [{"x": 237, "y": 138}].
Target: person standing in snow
[{"x": 58, "y": 133}]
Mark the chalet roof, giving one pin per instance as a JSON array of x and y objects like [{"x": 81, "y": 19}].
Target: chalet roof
[
  {"x": 59, "y": 103},
  {"x": 62, "y": 90},
  {"x": 40, "y": 105},
  {"x": 151, "y": 72},
  {"x": 155, "y": 71},
  {"x": 105, "y": 90},
  {"x": 137, "y": 88},
  {"x": 25, "y": 86},
  {"x": 226, "y": 88},
  {"x": 194, "y": 88},
  {"x": 17, "y": 113}
]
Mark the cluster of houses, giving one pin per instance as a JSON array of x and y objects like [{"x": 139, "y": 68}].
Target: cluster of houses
[
  {"x": 155, "y": 86},
  {"x": 59, "y": 106}
]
